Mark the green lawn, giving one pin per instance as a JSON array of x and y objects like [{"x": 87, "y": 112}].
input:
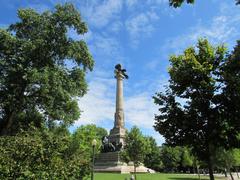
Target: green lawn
[{"x": 157, "y": 176}]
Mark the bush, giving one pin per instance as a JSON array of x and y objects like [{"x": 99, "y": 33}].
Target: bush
[{"x": 40, "y": 155}]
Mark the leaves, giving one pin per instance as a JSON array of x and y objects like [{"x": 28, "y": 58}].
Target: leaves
[
  {"x": 200, "y": 107},
  {"x": 136, "y": 147},
  {"x": 42, "y": 69},
  {"x": 40, "y": 155}
]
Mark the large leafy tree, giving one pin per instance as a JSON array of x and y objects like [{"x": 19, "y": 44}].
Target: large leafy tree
[
  {"x": 229, "y": 98},
  {"x": 42, "y": 69},
  {"x": 199, "y": 79}
]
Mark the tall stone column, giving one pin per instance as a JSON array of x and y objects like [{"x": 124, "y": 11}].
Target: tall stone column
[
  {"x": 119, "y": 114},
  {"x": 117, "y": 134}
]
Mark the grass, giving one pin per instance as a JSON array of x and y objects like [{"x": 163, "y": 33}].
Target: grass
[{"x": 157, "y": 176}]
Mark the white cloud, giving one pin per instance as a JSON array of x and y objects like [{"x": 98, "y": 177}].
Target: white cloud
[
  {"x": 101, "y": 13},
  {"x": 105, "y": 47},
  {"x": 140, "y": 110},
  {"x": 116, "y": 26},
  {"x": 131, "y": 3},
  {"x": 222, "y": 28},
  {"x": 141, "y": 25},
  {"x": 98, "y": 104}
]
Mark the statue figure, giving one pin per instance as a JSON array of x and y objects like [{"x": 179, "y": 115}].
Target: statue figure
[
  {"x": 120, "y": 71},
  {"x": 106, "y": 145}
]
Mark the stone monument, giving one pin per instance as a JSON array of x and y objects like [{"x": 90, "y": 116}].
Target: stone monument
[
  {"x": 117, "y": 134},
  {"x": 109, "y": 160}
]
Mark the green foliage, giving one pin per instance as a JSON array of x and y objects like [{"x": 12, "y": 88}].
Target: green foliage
[
  {"x": 82, "y": 139},
  {"x": 37, "y": 84},
  {"x": 136, "y": 147},
  {"x": 207, "y": 82},
  {"x": 186, "y": 158},
  {"x": 170, "y": 157},
  {"x": 178, "y": 3},
  {"x": 153, "y": 159},
  {"x": 48, "y": 154},
  {"x": 229, "y": 99},
  {"x": 40, "y": 155},
  {"x": 227, "y": 159},
  {"x": 176, "y": 159}
]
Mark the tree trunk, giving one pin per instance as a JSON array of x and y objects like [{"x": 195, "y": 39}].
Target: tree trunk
[
  {"x": 210, "y": 168},
  {"x": 7, "y": 124},
  {"x": 236, "y": 169},
  {"x": 199, "y": 177},
  {"x": 229, "y": 170},
  {"x": 135, "y": 174},
  {"x": 225, "y": 172}
]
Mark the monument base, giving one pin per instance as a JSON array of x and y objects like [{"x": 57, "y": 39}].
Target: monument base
[
  {"x": 110, "y": 162},
  {"x": 117, "y": 135}
]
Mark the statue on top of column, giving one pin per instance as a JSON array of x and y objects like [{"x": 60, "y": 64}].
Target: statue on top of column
[{"x": 120, "y": 72}]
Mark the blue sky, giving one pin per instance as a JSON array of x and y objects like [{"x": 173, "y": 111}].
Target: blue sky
[{"x": 141, "y": 35}]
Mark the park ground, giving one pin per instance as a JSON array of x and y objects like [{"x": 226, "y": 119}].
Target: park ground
[{"x": 157, "y": 176}]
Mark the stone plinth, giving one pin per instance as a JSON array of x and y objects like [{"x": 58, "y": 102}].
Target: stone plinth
[
  {"x": 117, "y": 135},
  {"x": 110, "y": 162}
]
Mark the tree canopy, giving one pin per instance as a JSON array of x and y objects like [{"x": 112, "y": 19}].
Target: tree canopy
[
  {"x": 136, "y": 148},
  {"x": 199, "y": 107},
  {"x": 42, "y": 70},
  {"x": 153, "y": 159},
  {"x": 83, "y": 136},
  {"x": 41, "y": 154}
]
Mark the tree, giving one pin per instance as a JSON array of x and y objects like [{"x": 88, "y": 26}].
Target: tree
[
  {"x": 171, "y": 157},
  {"x": 198, "y": 78},
  {"x": 40, "y": 154},
  {"x": 153, "y": 159},
  {"x": 226, "y": 160},
  {"x": 186, "y": 159},
  {"x": 236, "y": 155},
  {"x": 42, "y": 70},
  {"x": 135, "y": 149},
  {"x": 228, "y": 100},
  {"x": 176, "y": 159},
  {"x": 178, "y": 3},
  {"x": 82, "y": 139},
  {"x": 48, "y": 153}
]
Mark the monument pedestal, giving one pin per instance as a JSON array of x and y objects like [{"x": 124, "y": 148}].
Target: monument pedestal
[
  {"x": 117, "y": 135},
  {"x": 110, "y": 162}
]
